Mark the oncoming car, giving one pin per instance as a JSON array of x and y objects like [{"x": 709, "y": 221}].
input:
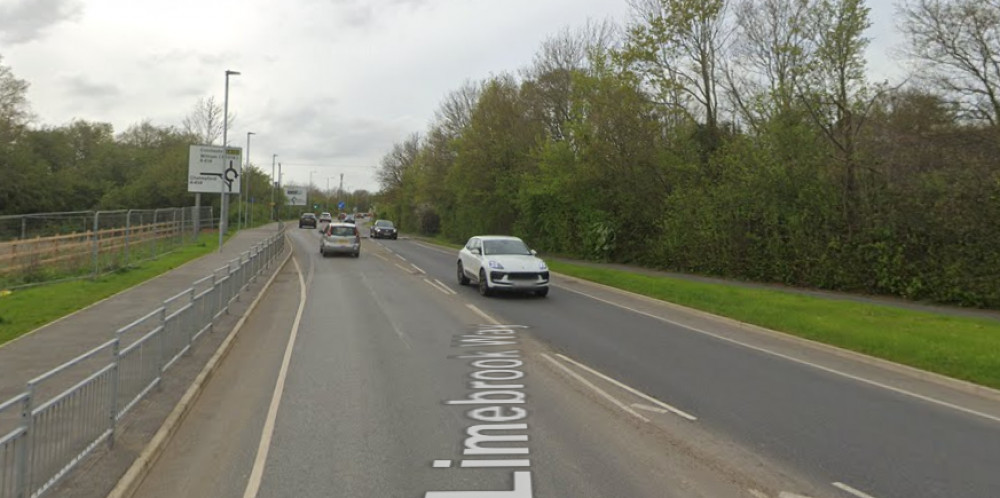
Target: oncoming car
[
  {"x": 502, "y": 263},
  {"x": 383, "y": 229},
  {"x": 340, "y": 238},
  {"x": 307, "y": 219}
]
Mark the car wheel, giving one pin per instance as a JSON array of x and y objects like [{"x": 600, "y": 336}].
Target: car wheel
[
  {"x": 462, "y": 279},
  {"x": 394, "y": 237},
  {"x": 357, "y": 254},
  {"x": 484, "y": 286},
  {"x": 542, "y": 293}
]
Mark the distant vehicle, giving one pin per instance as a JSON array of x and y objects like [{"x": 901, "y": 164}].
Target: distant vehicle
[
  {"x": 342, "y": 216},
  {"x": 383, "y": 229},
  {"x": 340, "y": 238},
  {"x": 325, "y": 218},
  {"x": 502, "y": 263},
  {"x": 307, "y": 219},
  {"x": 349, "y": 219}
]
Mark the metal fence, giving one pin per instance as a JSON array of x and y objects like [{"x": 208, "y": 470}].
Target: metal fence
[
  {"x": 44, "y": 247},
  {"x": 42, "y": 441}
]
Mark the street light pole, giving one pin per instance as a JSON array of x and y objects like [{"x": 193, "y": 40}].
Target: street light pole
[
  {"x": 223, "y": 197},
  {"x": 273, "y": 212},
  {"x": 244, "y": 212}
]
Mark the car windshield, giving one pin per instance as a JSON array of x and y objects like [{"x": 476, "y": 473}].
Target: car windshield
[
  {"x": 309, "y": 215},
  {"x": 342, "y": 231},
  {"x": 505, "y": 246},
  {"x": 383, "y": 224}
]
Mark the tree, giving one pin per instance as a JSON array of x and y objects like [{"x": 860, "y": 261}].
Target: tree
[
  {"x": 675, "y": 47},
  {"x": 205, "y": 121},
  {"x": 959, "y": 42},
  {"x": 14, "y": 110}
]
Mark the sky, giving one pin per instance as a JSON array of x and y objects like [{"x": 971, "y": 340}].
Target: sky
[{"x": 327, "y": 85}]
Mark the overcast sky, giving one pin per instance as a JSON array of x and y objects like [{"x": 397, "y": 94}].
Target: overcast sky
[{"x": 328, "y": 85}]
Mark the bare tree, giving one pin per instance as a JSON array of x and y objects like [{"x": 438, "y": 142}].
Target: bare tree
[
  {"x": 205, "y": 121},
  {"x": 959, "y": 42},
  {"x": 455, "y": 113},
  {"x": 770, "y": 55},
  {"x": 675, "y": 46}
]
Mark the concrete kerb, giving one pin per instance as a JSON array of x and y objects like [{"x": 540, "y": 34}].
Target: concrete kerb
[
  {"x": 942, "y": 380},
  {"x": 139, "y": 469}
]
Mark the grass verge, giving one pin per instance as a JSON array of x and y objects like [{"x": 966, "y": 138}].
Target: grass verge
[
  {"x": 25, "y": 310},
  {"x": 959, "y": 347}
]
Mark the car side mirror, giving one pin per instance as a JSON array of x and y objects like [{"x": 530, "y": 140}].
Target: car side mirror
[
  {"x": 476, "y": 250},
  {"x": 534, "y": 252}
]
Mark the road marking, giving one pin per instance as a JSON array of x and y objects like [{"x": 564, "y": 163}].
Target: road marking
[
  {"x": 480, "y": 312},
  {"x": 445, "y": 287},
  {"x": 855, "y": 492},
  {"x": 757, "y": 494},
  {"x": 257, "y": 473},
  {"x": 442, "y": 464},
  {"x": 432, "y": 284},
  {"x": 632, "y": 390},
  {"x": 596, "y": 389},
  {"x": 401, "y": 267},
  {"x": 400, "y": 257},
  {"x": 415, "y": 267},
  {"x": 648, "y": 408},
  {"x": 786, "y": 494},
  {"x": 383, "y": 258},
  {"x": 863, "y": 380}
]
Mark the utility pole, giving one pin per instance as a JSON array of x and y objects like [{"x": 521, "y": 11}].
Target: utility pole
[
  {"x": 224, "y": 196},
  {"x": 274, "y": 182}
]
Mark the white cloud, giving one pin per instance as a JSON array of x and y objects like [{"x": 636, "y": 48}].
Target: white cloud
[{"x": 22, "y": 21}]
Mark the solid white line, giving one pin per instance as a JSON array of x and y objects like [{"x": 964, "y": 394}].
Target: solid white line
[
  {"x": 634, "y": 391},
  {"x": 436, "y": 287},
  {"x": 445, "y": 287},
  {"x": 480, "y": 312},
  {"x": 596, "y": 389},
  {"x": 415, "y": 267},
  {"x": 863, "y": 380},
  {"x": 654, "y": 409},
  {"x": 257, "y": 473},
  {"x": 855, "y": 492}
]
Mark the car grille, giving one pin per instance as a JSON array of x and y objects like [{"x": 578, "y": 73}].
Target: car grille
[{"x": 522, "y": 276}]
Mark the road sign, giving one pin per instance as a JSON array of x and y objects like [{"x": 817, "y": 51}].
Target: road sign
[
  {"x": 212, "y": 169},
  {"x": 296, "y": 196},
  {"x": 340, "y": 205}
]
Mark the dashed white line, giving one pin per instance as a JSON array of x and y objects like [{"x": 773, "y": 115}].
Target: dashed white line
[
  {"x": 757, "y": 493},
  {"x": 432, "y": 284},
  {"x": 632, "y": 390},
  {"x": 483, "y": 314},
  {"x": 415, "y": 267},
  {"x": 654, "y": 409},
  {"x": 596, "y": 389},
  {"x": 786, "y": 494},
  {"x": 862, "y": 380},
  {"x": 401, "y": 267},
  {"x": 445, "y": 287},
  {"x": 855, "y": 492},
  {"x": 400, "y": 257}
]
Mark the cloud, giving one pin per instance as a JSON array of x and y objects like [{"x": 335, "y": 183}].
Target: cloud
[
  {"x": 79, "y": 87},
  {"x": 22, "y": 21}
]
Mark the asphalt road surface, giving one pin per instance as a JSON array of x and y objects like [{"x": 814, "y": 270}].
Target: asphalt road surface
[{"x": 382, "y": 377}]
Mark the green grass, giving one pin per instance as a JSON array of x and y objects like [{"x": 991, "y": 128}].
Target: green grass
[
  {"x": 22, "y": 311},
  {"x": 959, "y": 347}
]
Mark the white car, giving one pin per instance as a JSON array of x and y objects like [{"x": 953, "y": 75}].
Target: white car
[{"x": 502, "y": 263}]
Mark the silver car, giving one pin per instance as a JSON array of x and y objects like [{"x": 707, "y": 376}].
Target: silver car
[{"x": 340, "y": 238}]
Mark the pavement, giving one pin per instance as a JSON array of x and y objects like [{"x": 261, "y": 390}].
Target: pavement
[{"x": 62, "y": 340}]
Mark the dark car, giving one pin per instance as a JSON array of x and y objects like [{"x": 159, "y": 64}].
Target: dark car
[
  {"x": 307, "y": 219},
  {"x": 383, "y": 229}
]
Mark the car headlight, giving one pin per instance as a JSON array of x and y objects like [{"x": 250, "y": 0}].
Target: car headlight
[
  {"x": 496, "y": 265},
  {"x": 542, "y": 266}
]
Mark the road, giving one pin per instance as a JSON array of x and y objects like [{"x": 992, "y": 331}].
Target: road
[{"x": 382, "y": 377}]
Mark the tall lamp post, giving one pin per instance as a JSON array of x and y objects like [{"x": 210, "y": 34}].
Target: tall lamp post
[
  {"x": 310, "y": 186},
  {"x": 244, "y": 216},
  {"x": 274, "y": 216},
  {"x": 224, "y": 200}
]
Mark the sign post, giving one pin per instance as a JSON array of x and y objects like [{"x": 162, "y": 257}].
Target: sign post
[{"x": 215, "y": 169}]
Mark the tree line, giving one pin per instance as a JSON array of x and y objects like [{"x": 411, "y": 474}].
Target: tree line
[
  {"x": 738, "y": 138},
  {"x": 86, "y": 165}
]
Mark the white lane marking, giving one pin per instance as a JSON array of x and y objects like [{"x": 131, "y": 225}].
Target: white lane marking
[
  {"x": 855, "y": 492},
  {"x": 443, "y": 291},
  {"x": 757, "y": 494},
  {"x": 401, "y": 267},
  {"x": 383, "y": 258},
  {"x": 442, "y": 464},
  {"x": 786, "y": 494},
  {"x": 445, "y": 287},
  {"x": 481, "y": 313},
  {"x": 863, "y": 380},
  {"x": 596, "y": 389},
  {"x": 257, "y": 473},
  {"x": 632, "y": 390},
  {"x": 435, "y": 248},
  {"x": 400, "y": 257},
  {"x": 654, "y": 409},
  {"x": 415, "y": 267}
]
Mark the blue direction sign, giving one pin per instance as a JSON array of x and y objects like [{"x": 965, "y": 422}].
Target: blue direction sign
[{"x": 341, "y": 205}]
